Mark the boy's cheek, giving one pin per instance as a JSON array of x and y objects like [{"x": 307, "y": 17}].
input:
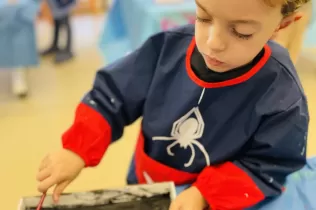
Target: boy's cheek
[{"x": 201, "y": 37}]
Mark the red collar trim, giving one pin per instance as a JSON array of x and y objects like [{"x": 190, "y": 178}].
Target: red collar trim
[{"x": 235, "y": 81}]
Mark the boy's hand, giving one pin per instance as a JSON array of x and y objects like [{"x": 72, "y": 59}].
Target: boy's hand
[
  {"x": 59, "y": 169},
  {"x": 190, "y": 199}
]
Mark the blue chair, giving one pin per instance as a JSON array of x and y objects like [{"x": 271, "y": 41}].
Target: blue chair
[{"x": 18, "y": 48}]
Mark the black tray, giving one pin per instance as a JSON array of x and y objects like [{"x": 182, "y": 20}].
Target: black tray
[{"x": 134, "y": 197}]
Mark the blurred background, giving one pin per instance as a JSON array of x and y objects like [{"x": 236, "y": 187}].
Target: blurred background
[{"x": 38, "y": 94}]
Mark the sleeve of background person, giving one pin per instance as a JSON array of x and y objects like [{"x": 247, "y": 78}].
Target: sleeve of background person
[
  {"x": 276, "y": 150},
  {"x": 115, "y": 101}
]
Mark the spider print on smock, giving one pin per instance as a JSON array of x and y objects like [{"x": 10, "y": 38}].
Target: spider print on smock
[{"x": 185, "y": 132}]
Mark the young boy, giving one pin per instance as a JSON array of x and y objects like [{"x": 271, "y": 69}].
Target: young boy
[{"x": 222, "y": 107}]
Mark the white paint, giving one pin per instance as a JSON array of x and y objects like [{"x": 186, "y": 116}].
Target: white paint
[
  {"x": 92, "y": 102},
  {"x": 148, "y": 179},
  {"x": 303, "y": 151}
]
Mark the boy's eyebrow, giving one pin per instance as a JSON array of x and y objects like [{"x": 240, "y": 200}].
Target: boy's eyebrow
[{"x": 252, "y": 22}]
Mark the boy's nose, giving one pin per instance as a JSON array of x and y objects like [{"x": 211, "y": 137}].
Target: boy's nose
[{"x": 216, "y": 42}]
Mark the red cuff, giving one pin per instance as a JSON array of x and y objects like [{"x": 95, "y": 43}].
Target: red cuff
[
  {"x": 89, "y": 136},
  {"x": 227, "y": 187}
]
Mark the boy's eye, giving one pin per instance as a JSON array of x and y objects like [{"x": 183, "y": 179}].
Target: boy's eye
[
  {"x": 233, "y": 30},
  {"x": 241, "y": 36},
  {"x": 203, "y": 20}
]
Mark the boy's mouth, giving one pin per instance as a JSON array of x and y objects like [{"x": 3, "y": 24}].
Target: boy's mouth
[{"x": 212, "y": 61}]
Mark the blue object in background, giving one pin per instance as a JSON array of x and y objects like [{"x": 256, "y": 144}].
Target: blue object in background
[
  {"x": 310, "y": 37},
  {"x": 181, "y": 188},
  {"x": 18, "y": 46},
  {"x": 130, "y": 22}
]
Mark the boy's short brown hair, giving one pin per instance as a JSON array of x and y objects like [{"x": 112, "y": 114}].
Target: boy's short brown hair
[{"x": 289, "y": 6}]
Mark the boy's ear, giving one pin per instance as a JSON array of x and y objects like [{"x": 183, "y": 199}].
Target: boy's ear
[{"x": 288, "y": 20}]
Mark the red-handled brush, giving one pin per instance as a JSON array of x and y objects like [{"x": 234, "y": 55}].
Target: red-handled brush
[{"x": 40, "y": 204}]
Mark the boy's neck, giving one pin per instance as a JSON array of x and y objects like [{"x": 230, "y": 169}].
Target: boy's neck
[{"x": 208, "y": 75}]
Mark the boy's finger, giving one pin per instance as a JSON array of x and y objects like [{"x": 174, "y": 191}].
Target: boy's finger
[
  {"x": 46, "y": 184},
  {"x": 43, "y": 174},
  {"x": 59, "y": 189}
]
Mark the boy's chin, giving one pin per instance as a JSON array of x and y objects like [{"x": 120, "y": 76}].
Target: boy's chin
[{"x": 219, "y": 68}]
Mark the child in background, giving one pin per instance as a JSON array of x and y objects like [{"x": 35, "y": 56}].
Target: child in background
[
  {"x": 222, "y": 109},
  {"x": 61, "y": 11}
]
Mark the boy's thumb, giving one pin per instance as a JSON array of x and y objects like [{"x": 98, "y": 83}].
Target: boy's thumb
[{"x": 59, "y": 190}]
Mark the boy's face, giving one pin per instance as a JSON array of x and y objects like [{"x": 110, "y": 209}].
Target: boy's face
[{"x": 230, "y": 33}]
